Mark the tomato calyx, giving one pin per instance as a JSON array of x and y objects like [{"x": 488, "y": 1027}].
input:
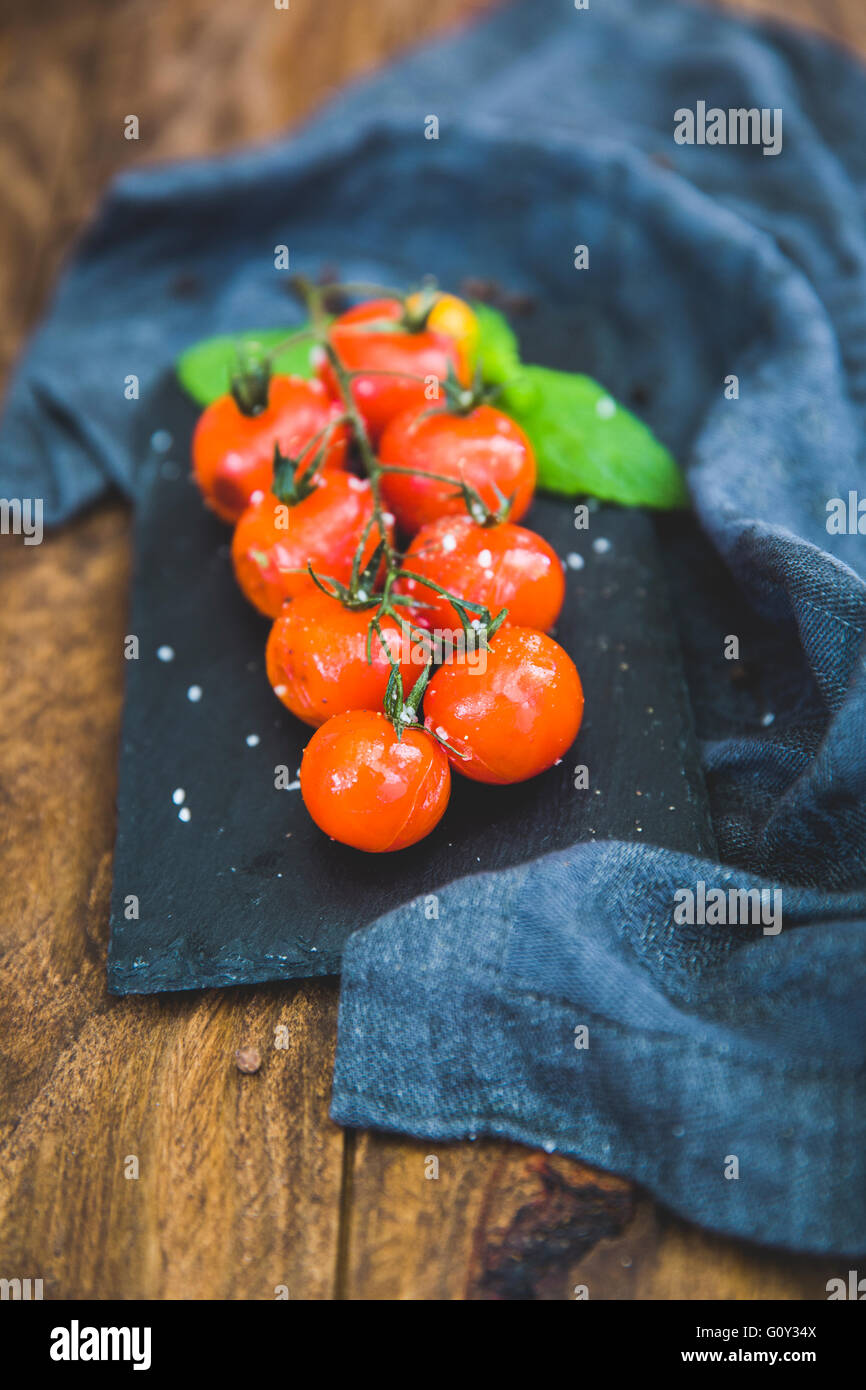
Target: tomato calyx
[
  {"x": 481, "y": 513},
  {"x": 251, "y": 382},
  {"x": 289, "y": 486},
  {"x": 360, "y": 592},
  {"x": 418, "y": 307},
  {"x": 402, "y": 710}
]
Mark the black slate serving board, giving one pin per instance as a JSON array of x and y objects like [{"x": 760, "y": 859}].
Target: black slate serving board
[{"x": 245, "y": 887}]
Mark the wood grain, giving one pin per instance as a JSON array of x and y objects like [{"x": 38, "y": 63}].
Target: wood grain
[{"x": 244, "y": 1185}]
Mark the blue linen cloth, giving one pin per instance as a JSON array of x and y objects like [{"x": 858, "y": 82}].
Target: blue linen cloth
[{"x": 706, "y": 1042}]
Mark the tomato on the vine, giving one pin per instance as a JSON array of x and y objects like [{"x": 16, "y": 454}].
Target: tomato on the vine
[
  {"x": 483, "y": 448},
  {"x": 274, "y": 542},
  {"x": 502, "y": 566},
  {"x": 233, "y": 448},
  {"x": 452, "y": 316},
  {"x": 515, "y": 718},
  {"x": 316, "y": 658},
  {"x": 368, "y": 788},
  {"x": 395, "y": 359}
]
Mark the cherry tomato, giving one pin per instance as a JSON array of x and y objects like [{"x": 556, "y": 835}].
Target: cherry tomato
[
  {"x": 362, "y": 347},
  {"x": 485, "y": 449},
  {"x": 317, "y": 658},
  {"x": 367, "y": 788},
  {"x": 514, "y": 719},
  {"x": 501, "y": 566},
  {"x": 273, "y": 543},
  {"x": 455, "y": 318},
  {"x": 233, "y": 453}
]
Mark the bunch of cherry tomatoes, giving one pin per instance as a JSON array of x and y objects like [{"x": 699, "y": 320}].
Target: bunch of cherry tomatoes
[{"x": 394, "y": 437}]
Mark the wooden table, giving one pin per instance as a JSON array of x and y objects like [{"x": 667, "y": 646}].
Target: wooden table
[{"x": 244, "y": 1184}]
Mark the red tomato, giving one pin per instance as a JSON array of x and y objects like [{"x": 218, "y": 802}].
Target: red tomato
[
  {"x": 517, "y": 717},
  {"x": 423, "y": 354},
  {"x": 485, "y": 449},
  {"x": 498, "y": 566},
  {"x": 367, "y": 788},
  {"x": 233, "y": 453},
  {"x": 317, "y": 658},
  {"x": 273, "y": 543}
]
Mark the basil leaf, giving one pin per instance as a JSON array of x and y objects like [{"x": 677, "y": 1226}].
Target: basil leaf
[
  {"x": 586, "y": 442},
  {"x": 205, "y": 369},
  {"x": 497, "y": 353}
]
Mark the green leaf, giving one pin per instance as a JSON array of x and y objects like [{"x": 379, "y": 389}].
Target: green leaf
[
  {"x": 498, "y": 354},
  {"x": 586, "y": 442},
  {"x": 205, "y": 369}
]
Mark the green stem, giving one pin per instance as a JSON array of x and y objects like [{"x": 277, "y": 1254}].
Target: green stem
[
  {"x": 365, "y": 448},
  {"x": 446, "y": 593},
  {"x": 419, "y": 473}
]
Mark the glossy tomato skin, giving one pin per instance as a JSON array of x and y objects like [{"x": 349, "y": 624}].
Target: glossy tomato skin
[
  {"x": 366, "y": 788},
  {"x": 502, "y": 566},
  {"x": 380, "y": 397},
  {"x": 456, "y": 319},
  {"x": 316, "y": 658},
  {"x": 233, "y": 453},
  {"x": 273, "y": 544},
  {"x": 516, "y": 718},
  {"x": 485, "y": 448}
]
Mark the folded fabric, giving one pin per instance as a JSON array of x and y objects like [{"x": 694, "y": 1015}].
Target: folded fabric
[
  {"x": 559, "y": 1004},
  {"x": 707, "y": 1041}
]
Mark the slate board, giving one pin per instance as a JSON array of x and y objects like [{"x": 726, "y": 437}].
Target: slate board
[{"x": 248, "y": 889}]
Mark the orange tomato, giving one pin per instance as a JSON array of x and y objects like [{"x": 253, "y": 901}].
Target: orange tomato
[
  {"x": 233, "y": 453},
  {"x": 316, "y": 658},
  {"x": 367, "y": 788},
  {"x": 273, "y": 543},
  {"x": 515, "y": 718},
  {"x": 501, "y": 566},
  {"x": 484, "y": 448}
]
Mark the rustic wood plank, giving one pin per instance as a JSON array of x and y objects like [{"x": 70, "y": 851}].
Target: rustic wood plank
[
  {"x": 505, "y": 1222},
  {"x": 238, "y": 1175}
]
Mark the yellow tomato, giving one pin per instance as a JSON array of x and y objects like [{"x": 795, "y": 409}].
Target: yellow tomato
[{"x": 454, "y": 317}]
